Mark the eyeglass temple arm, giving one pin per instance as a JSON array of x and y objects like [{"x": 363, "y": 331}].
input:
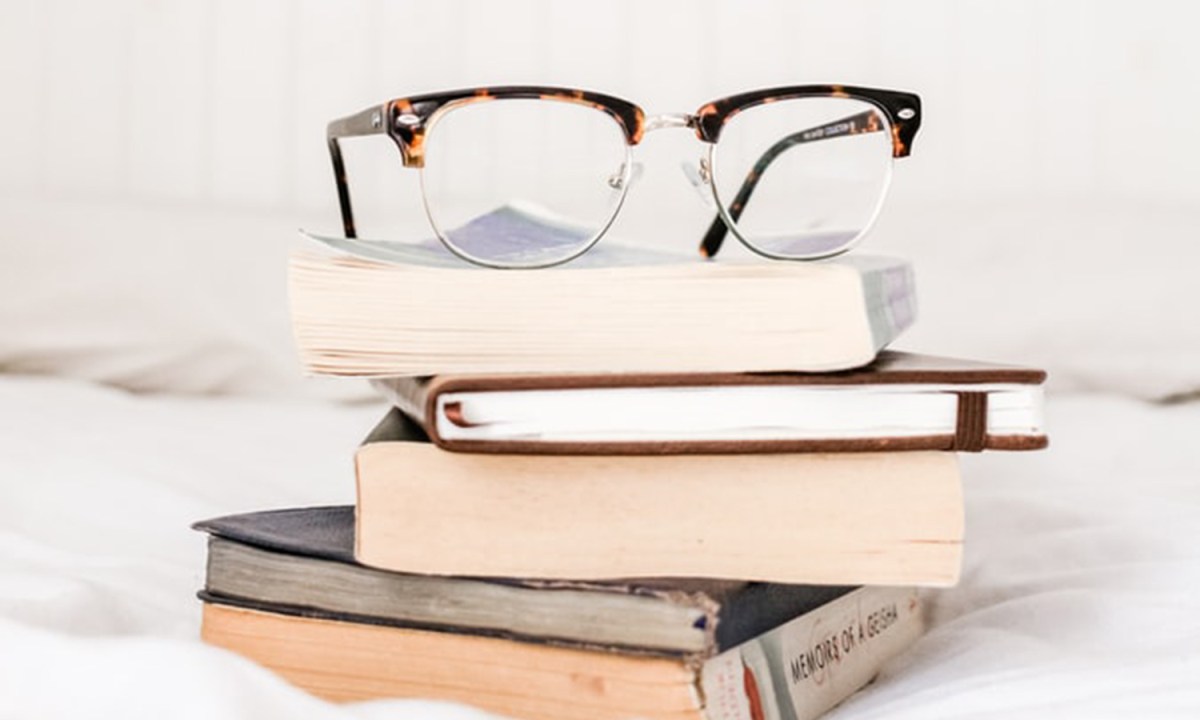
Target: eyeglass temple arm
[
  {"x": 864, "y": 122},
  {"x": 367, "y": 122}
]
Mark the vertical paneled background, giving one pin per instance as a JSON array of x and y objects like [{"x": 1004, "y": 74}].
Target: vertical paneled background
[
  {"x": 1051, "y": 205},
  {"x": 222, "y": 102}
]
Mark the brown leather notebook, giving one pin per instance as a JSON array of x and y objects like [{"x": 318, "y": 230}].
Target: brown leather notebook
[{"x": 902, "y": 401}]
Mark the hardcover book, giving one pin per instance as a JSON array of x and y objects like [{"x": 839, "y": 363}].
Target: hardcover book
[
  {"x": 815, "y": 518},
  {"x": 386, "y": 309},
  {"x": 795, "y": 672},
  {"x": 283, "y": 590},
  {"x": 304, "y": 558},
  {"x": 902, "y": 401}
]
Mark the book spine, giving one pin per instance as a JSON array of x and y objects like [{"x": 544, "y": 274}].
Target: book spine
[
  {"x": 891, "y": 299},
  {"x": 803, "y": 668},
  {"x": 406, "y": 394}
]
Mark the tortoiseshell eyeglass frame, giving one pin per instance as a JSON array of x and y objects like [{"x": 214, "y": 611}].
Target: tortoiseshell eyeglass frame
[{"x": 406, "y": 121}]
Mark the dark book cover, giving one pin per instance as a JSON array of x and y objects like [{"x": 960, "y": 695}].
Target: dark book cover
[{"x": 301, "y": 561}]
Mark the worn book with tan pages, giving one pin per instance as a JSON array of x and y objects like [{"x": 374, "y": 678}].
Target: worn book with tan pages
[
  {"x": 902, "y": 401},
  {"x": 304, "y": 558},
  {"x": 794, "y": 671}
]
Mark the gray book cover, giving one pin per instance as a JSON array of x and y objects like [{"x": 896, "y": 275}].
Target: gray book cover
[{"x": 301, "y": 561}]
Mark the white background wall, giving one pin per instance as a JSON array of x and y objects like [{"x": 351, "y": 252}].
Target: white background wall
[
  {"x": 1051, "y": 204},
  {"x": 224, "y": 102}
]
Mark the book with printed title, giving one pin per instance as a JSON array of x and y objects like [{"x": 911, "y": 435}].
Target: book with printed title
[{"x": 283, "y": 590}]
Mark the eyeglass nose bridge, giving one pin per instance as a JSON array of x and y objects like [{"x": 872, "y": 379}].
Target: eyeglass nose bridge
[{"x": 669, "y": 120}]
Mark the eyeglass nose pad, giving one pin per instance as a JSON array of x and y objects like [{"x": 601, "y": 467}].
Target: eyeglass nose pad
[
  {"x": 699, "y": 179},
  {"x": 626, "y": 175}
]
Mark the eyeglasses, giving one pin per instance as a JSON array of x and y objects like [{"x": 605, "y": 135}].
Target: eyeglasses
[{"x": 815, "y": 159}]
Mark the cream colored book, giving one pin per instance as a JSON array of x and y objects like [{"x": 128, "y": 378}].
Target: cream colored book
[
  {"x": 393, "y": 309},
  {"x": 839, "y": 519},
  {"x": 795, "y": 671}
]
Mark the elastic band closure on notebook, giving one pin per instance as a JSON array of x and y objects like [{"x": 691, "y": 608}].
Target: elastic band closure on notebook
[{"x": 970, "y": 432}]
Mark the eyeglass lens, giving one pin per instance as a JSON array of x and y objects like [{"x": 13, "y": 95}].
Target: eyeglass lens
[
  {"x": 564, "y": 163},
  {"x": 803, "y": 177}
]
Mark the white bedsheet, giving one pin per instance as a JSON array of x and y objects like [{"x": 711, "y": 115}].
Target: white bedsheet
[{"x": 1078, "y": 600}]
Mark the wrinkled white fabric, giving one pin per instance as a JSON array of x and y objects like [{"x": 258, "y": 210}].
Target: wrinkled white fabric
[{"x": 1078, "y": 598}]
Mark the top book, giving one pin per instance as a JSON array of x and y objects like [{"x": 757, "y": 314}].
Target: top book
[{"x": 395, "y": 309}]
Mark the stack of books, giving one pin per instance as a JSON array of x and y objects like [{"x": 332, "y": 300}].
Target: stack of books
[{"x": 617, "y": 488}]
